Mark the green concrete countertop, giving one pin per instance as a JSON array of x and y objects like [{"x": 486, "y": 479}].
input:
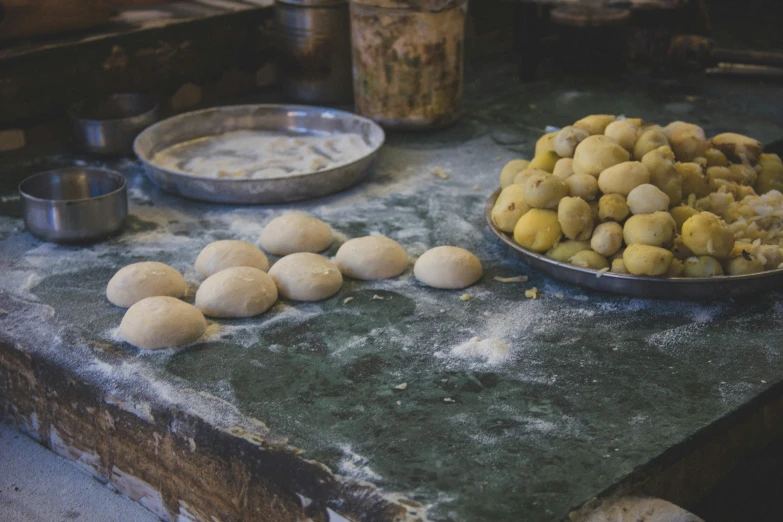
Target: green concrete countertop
[{"x": 593, "y": 387}]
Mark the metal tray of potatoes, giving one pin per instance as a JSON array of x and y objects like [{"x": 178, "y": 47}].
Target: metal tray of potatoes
[{"x": 688, "y": 288}]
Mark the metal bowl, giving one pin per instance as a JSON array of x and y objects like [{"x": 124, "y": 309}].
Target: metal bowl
[
  {"x": 74, "y": 205},
  {"x": 689, "y": 288},
  {"x": 289, "y": 119},
  {"x": 110, "y": 125}
]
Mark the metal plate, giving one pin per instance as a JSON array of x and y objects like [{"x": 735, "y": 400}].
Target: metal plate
[
  {"x": 289, "y": 119},
  {"x": 702, "y": 289}
]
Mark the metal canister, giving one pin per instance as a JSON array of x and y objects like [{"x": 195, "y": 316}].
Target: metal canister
[
  {"x": 314, "y": 40},
  {"x": 408, "y": 60}
]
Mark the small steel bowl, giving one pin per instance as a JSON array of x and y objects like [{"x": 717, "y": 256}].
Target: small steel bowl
[
  {"x": 109, "y": 126},
  {"x": 74, "y": 205}
]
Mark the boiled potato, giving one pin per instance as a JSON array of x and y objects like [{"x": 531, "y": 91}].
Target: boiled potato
[
  {"x": 676, "y": 268},
  {"x": 623, "y": 178},
  {"x": 693, "y": 180},
  {"x": 607, "y": 238},
  {"x": 575, "y": 218},
  {"x": 510, "y": 171},
  {"x": 545, "y": 144},
  {"x": 538, "y": 230},
  {"x": 618, "y": 267},
  {"x": 688, "y": 141},
  {"x": 567, "y": 139},
  {"x": 596, "y": 154},
  {"x": 656, "y": 229},
  {"x": 649, "y": 139},
  {"x": 646, "y": 260},
  {"x": 590, "y": 259},
  {"x": 564, "y": 168},
  {"x": 737, "y": 148},
  {"x": 613, "y": 207},
  {"x": 623, "y": 132},
  {"x": 715, "y": 158},
  {"x": 594, "y": 209},
  {"x": 595, "y": 123},
  {"x": 771, "y": 175},
  {"x": 521, "y": 178},
  {"x": 679, "y": 249},
  {"x": 545, "y": 161},
  {"x": 745, "y": 174},
  {"x": 582, "y": 186},
  {"x": 565, "y": 250},
  {"x": 509, "y": 207},
  {"x": 663, "y": 173},
  {"x": 745, "y": 263},
  {"x": 707, "y": 234},
  {"x": 646, "y": 199},
  {"x": 544, "y": 191},
  {"x": 682, "y": 213},
  {"x": 702, "y": 266}
]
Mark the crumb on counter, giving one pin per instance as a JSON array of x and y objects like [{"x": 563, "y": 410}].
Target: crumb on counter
[
  {"x": 464, "y": 297},
  {"x": 347, "y": 300},
  {"x": 532, "y": 293},
  {"x": 602, "y": 272},
  {"x": 401, "y": 386},
  {"x": 533, "y": 106},
  {"x": 376, "y": 297},
  {"x": 514, "y": 279},
  {"x": 476, "y": 187},
  {"x": 440, "y": 173},
  {"x": 449, "y": 399},
  {"x": 559, "y": 295}
]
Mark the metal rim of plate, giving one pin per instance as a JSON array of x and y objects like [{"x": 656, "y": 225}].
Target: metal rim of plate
[
  {"x": 682, "y": 288},
  {"x": 291, "y": 119}
]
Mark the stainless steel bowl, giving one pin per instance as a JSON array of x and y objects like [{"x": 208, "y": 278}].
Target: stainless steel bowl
[
  {"x": 109, "y": 126},
  {"x": 74, "y": 205}
]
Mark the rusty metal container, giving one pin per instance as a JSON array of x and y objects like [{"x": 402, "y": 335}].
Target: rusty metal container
[
  {"x": 314, "y": 48},
  {"x": 408, "y": 61}
]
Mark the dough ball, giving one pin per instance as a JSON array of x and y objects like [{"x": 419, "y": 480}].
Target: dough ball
[
  {"x": 511, "y": 169},
  {"x": 373, "y": 257},
  {"x": 292, "y": 233},
  {"x": 447, "y": 267},
  {"x": 306, "y": 277},
  {"x": 646, "y": 199},
  {"x": 140, "y": 280},
  {"x": 161, "y": 322},
  {"x": 220, "y": 255},
  {"x": 239, "y": 291}
]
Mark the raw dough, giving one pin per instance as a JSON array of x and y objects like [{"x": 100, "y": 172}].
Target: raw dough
[
  {"x": 447, "y": 267},
  {"x": 139, "y": 280},
  {"x": 371, "y": 257},
  {"x": 220, "y": 255},
  {"x": 306, "y": 277},
  {"x": 239, "y": 291},
  {"x": 292, "y": 233},
  {"x": 161, "y": 322}
]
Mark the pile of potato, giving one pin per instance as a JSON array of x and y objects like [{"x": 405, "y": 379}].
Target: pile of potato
[{"x": 616, "y": 194}]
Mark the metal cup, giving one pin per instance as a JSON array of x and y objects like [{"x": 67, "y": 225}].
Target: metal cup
[
  {"x": 109, "y": 126},
  {"x": 74, "y": 205}
]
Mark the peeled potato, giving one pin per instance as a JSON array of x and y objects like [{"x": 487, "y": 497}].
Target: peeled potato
[
  {"x": 771, "y": 175},
  {"x": 565, "y": 250},
  {"x": 623, "y": 132},
  {"x": 707, "y": 234},
  {"x": 646, "y": 199},
  {"x": 743, "y": 264},
  {"x": 597, "y": 153},
  {"x": 623, "y": 178},
  {"x": 676, "y": 268},
  {"x": 575, "y": 218},
  {"x": 663, "y": 173},
  {"x": 702, "y": 266},
  {"x": 590, "y": 259},
  {"x": 564, "y": 168},
  {"x": 647, "y": 260},
  {"x": 679, "y": 249},
  {"x": 538, "y": 230},
  {"x": 595, "y": 123},
  {"x": 582, "y": 186},
  {"x": 545, "y": 143},
  {"x": 737, "y": 148},
  {"x": 544, "y": 191},
  {"x": 510, "y": 171},
  {"x": 688, "y": 141},
  {"x": 693, "y": 180},
  {"x": 613, "y": 207},
  {"x": 509, "y": 207},
  {"x": 650, "y": 139},
  {"x": 545, "y": 161},
  {"x": 607, "y": 238},
  {"x": 567, "y": 139},
  {"x": 656, "y": 229},
  {"x": 522, "y": 176},
  {"x": 618, "y": 266},
  {"x": 715, "y": 158},
  {"x": 681, "y": 214}
]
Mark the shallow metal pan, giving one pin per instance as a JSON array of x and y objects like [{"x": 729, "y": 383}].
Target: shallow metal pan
[
  {"x": 702, "y": 289},
  {"x": 290, "y": 119}
]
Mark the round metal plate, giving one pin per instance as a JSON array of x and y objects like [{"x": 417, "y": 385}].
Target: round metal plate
[
  {"x": 639, "y": 286},
  {"x": 289, "y": 119}
]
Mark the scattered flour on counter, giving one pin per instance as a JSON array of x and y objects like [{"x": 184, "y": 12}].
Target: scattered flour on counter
[
  {"x": 491, "y": 351},
  {"x": 355, "y": 466}
]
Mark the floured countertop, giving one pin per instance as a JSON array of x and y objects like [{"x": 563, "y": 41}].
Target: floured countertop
[{"x": 493, "y": 406}]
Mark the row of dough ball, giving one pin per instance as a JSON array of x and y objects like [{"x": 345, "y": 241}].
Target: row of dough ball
[
  {"x": 237, "y": 284},
  {"x": 555, "y": 195}
]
